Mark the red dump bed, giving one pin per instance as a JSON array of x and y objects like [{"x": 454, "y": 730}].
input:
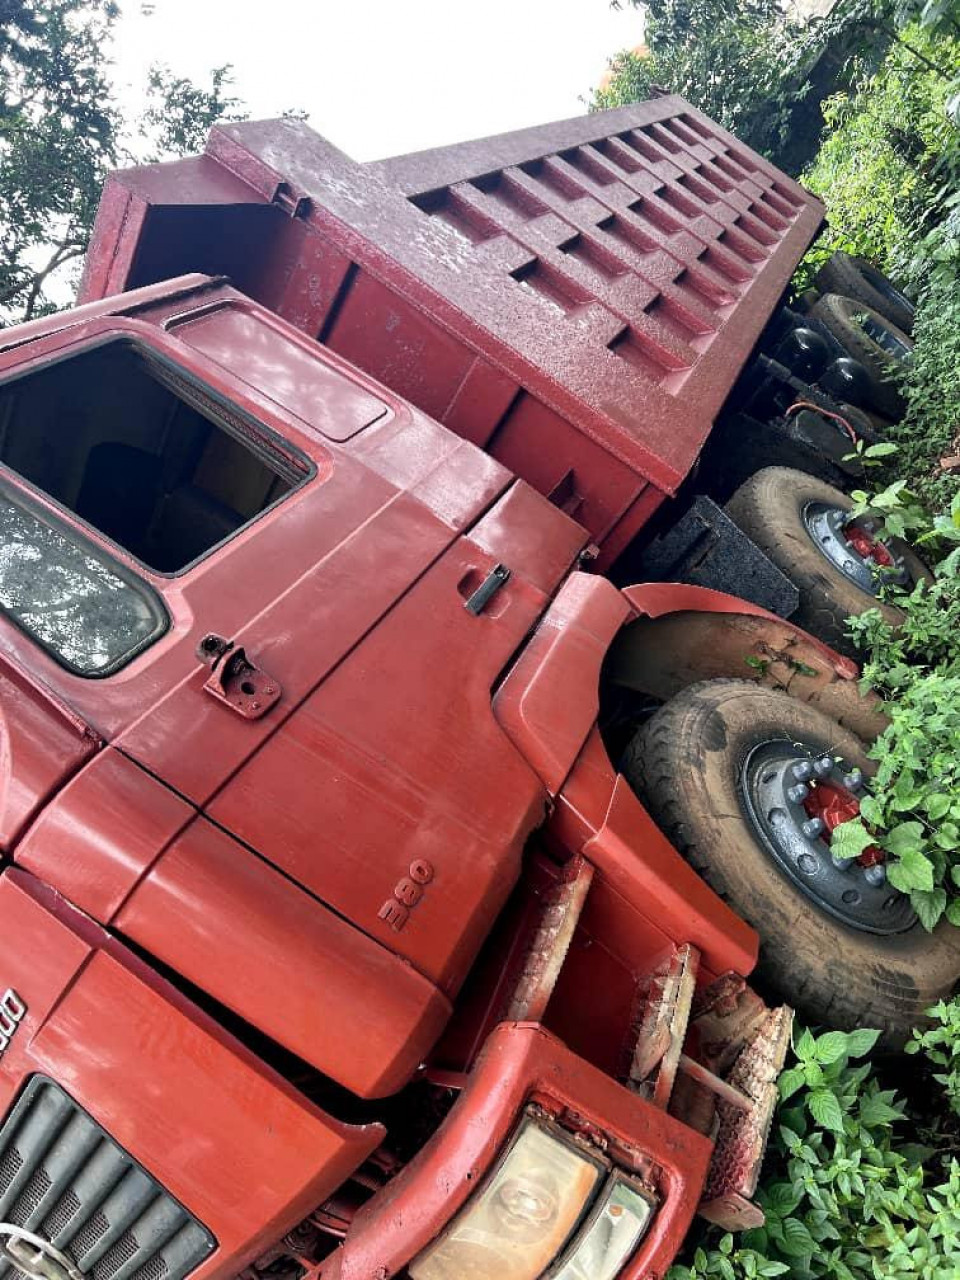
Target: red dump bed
[{"x": 577, "y": 298}]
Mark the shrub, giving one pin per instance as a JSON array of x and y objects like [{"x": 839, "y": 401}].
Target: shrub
[{"x": 840, "y": 1198}]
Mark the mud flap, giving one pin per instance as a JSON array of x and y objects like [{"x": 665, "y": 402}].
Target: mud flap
[{"x": 713, "y": 1062}]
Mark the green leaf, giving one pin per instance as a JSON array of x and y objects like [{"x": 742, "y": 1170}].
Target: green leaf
[
  {"x": 805, "y": 1046},
  {"x": 790, "y": 1081},
  {"x": 953, "y": 912},
  {"x": 937, "y": 805},
  {"x": 850, "y": 839},
  {"x": 929, "y": 906},
  {"x": 914, "y": 871},
  {"x": 797, "y": 1240},
  {"x": 826, "y": 1110},
  {"x": 905, "y": 838},
  {"x": 861, "y": 1041},
  {"x": 831, "y": 1047},
  {"x": 874, "y": 1110}
]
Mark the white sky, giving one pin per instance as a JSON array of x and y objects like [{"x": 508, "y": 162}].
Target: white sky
[{"x": 381, "y": 78}]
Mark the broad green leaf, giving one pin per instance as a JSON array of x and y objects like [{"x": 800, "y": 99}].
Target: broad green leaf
[
  {"x": 914, "y": 871},
  {"x": 831, "y": 1046},
  {"x": 825, "y": 1109},
  {"x": 797, "y": 1240},
  {"x": 873, "y": 1110},
  {"x": 850, "y": 839},
  {"x": 905, "y": 838},
  {"x": 929, "y": 906},
  {"x": 790, "y": 1081},
  {"x": 861, "y": 1041},
  {"x": 937, "y": 805}
]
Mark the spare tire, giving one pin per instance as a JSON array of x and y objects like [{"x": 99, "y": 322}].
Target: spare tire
[
  {"x": 797, "y": 520},
  {"x": 857, "y": 278},
  {"x": 869, "y": 337},
  {"x": 842, "y": 949}
]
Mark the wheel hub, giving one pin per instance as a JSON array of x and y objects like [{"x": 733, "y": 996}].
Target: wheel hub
[
  {"x": 794, "y": 800},
  {"x": 852, "y": 547}
]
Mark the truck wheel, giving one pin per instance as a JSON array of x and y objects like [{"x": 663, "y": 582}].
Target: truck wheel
[
  {"x": 732, "y": 772},
  {"x": 856, "y": 278},
  {"x": 837, "y": 566},
  {"x": 881, "y": 348}
]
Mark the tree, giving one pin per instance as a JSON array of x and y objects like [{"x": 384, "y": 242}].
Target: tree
[
  {"x": 751, "y": 66},
  {"x": 61, "y": 130},
  {"x": 179, "y": 114}
]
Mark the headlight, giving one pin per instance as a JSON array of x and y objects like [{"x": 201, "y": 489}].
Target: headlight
[
  {"x": 522, "y": 1216},
  {"x": 613, "y": 1232}
]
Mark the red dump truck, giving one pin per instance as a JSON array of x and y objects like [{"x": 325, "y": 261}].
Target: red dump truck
[{"x": 335, "y": 938}]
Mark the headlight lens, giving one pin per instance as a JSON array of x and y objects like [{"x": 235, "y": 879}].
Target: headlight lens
[
  {"x": 521, "y": 1217},
  {"x": 610, "y": 1237}
]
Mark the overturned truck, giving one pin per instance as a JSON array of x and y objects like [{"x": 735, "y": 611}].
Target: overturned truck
[{"x": 396, "y": 798}]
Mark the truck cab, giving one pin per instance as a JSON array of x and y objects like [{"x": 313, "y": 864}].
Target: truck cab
[{"x": 314, "y": 863}]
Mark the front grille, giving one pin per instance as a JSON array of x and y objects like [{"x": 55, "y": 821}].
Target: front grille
[{"x": 64, "y": 1178}]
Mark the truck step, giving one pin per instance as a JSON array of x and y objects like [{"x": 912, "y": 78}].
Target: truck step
[{"x": 667, "y": 1003}]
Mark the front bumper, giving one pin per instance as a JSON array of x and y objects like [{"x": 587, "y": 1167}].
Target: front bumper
[{"x": 521, "y": 1064}]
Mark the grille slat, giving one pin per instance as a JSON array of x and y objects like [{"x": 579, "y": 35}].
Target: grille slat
[{"x": 65, "y": 1178}]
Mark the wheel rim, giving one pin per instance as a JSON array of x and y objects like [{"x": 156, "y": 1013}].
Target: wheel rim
[
  {"x": 851, "y": 546},
  {"x": 793, "y": 798},
  {"x": 878, "y": 332}
]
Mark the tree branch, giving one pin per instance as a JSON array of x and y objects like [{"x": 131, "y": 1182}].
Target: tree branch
[{"x": 64, "y": 251}]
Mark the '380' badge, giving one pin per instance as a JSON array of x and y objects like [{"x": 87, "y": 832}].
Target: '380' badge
[{"x": 12, "y": 1010}]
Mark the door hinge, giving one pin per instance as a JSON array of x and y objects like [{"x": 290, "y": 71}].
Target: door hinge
[{"x": 235, "y": 680}]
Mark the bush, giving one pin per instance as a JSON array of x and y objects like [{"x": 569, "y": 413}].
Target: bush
[
  {"x": 941, "y": 1045},
  {"x": 840, "y": 1197},
  {"x": 913, "y": 809}
]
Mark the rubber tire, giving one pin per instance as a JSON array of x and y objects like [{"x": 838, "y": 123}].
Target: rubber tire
[
  {"x": 685, "y": 766},
  {"x": 847, "y": 275},
  {"x": 768, "y": 508},
  {"x": 837, "y": 313}
]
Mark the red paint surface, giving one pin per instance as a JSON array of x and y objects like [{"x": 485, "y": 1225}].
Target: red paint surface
[
  {"x": 522, "y": 1063},
  {"x": 414, "y": 743},
  {"x": 225, "y": 1135},
  {"x": 576, "y": 298}
]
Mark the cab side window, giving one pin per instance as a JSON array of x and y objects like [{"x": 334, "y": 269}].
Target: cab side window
[{"x": 145, "y": 456}]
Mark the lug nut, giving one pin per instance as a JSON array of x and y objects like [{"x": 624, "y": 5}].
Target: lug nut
[
  {"x": 875, "y": 875},
  {"x": 812, "y": 828},
  {"x": 823, "y": 766},
  {"x": 798, "y": 793},
  {"x": 853, "y": 780},
  {"x": 803, "y": 770},
  {"x": 840, "y": 863}
]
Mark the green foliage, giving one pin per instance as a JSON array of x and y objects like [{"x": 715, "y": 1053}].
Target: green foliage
[
  {"x": 58, "y": 129},
  {"x": 930, "y": 428},
  {"x": 840, "y": 1198},
  {"x": 179, "y": 113},
  {"x": 940, "y": 1044},
  {"x": 61, "y": 130},
  {"x": 736, "y": 62},
  {"x": 881, "y": 167},
  {"x": 756, "y": 67},
  {"x": 913, "y": 809}
]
